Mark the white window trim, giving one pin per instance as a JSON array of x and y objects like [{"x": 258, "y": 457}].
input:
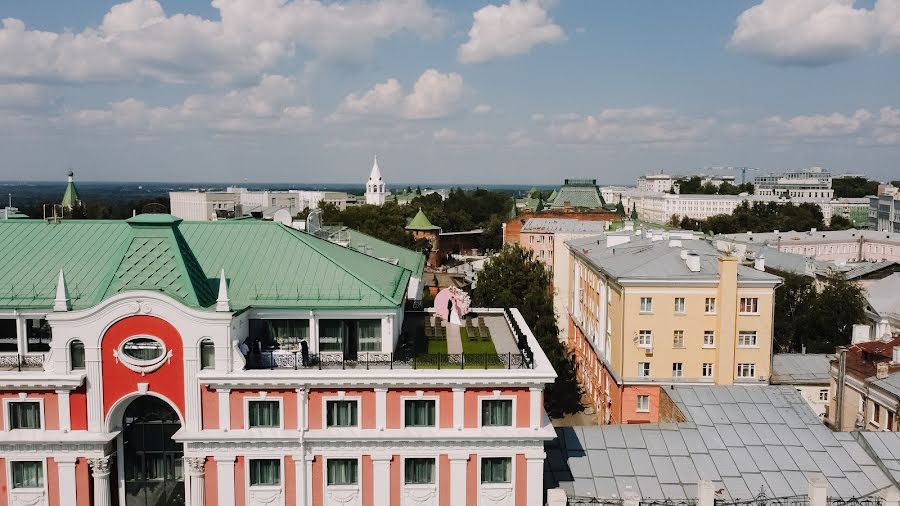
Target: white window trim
[
  {"x": 248, "y": 458},
  {"x": 496, "y": 397},
  {"x": 640, "y": 336},
  {"x": 641, "y": 309},
  {"x": 752, "y": 366},
  {"x": 69, "y": 354},
  {"x": 200, "y": 344},
  {"x": 709, "y": 346},
  {"x": 681, "y": 371},
  {"x": 712, "y": 370},
  {"x": 675, "y": 344},
  {"x": 755, "y": 335},
  {"x": 341, "y": 397},
  {"x": 420, "y": 486},
  {"x": 357, "y": 486},
  {"x": 638, "y": 404},
  {"x": 30, "y": 490},
  {"x": 420, "y": 397},
  {"x": 263, "y": 397},
  {"x": 7, "y": 424},
  {"x": 714, "y": 307},
  {"x": 683, "y": 310},
  {"x": 742, "y": 313},
  {"x": 641, "y": 370},
  {"x": 512, "y": 472}
]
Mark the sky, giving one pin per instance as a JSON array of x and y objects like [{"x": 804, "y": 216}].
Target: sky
[{"x": 445, "y": 91}]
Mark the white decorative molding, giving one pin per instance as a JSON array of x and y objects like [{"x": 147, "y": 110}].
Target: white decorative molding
[
  {"x": 133, "y": 364},
  {"x": 341, "y": 496},
  {"x": 420, "y": 495},
  {"x": 263, "y": 496},
  {"x": 27, "y": 497},
  {"x": 100, "y": 466},
  {"x": 497, "y": 496}
]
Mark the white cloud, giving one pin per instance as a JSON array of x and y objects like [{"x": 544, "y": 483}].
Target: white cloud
[
  {"x": 509, "y": 29},
  {"x": 20, "y": 96},
  {"x": 137, "y": 41},
  {"x": 434, "y": 95},
  {"x": 481, "y": 109},
  {"x": 819, "y": 125},
  {"x": 452, "y": 137},
  {"x": 520, "y": 139},
  {"x": 268, "y": 106},
  {"x": 642, "y": 125},
  {"x": 816, "y": 32}
]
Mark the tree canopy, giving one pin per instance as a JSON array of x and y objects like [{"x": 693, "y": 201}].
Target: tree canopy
[
  {"x": 694, "y": 185},
  {"x": 514, "y": 278},
  {"x": 853, "y": 187}
]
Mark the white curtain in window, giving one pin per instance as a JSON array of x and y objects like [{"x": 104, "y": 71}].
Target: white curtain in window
[
  {"x": 496, "y": 470},
  {"x": 369, "y": 335},
  {"x": 342, "y": 471},
  {"x": 419, "y": 471},
  {"x": 332, "y": 333},
  {"x": 496, "y": 412},
  {"x": 420, "y": 413},
  {"x": 265, "y": 472},
  {"x": 341, "y": 413},
  {"x": 264, "y": 414},
  {"x": 28, "y": 474},
  {"x": 25, "y": 415},
  {"x": 288, "y": 333}
]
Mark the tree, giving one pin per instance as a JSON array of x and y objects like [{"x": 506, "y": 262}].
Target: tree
[
  {"x": 838, "y": 222},
  {"x": 853, "y": 187},
  {"x": 634, "y": 214},
  {"x": 839, "y": 306},
  {"x": 514, "y": 278},
  {"x": 793, "y": 303},
  {"x": 620, "y": 209}
]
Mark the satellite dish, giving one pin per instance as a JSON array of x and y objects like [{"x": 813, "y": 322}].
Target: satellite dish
[
  {"x": 154, "y": 208},
  {"x": 314, "y": 221},
  {"x": 283, "y": 216}
]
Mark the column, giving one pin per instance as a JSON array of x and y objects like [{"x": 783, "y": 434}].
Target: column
[
  {"x": 458, "y": 463},
  {"x": 191, "y": 391},
  {"x": 536, "y": 407},
  {"x": 706, "y": 493},
  {"x": 818, "y": 491},
  {"x": 309, "y": 480},
  {"x": 300, "y": 478},
  {"x": 458, "y": 407},
  {"x": 65, "y": 468},
  {"x": 381, "y": 476},
  {"x": 380, "y": 409},
  {"x": 302, "y": 416},
  {"x": 65, "y": 413},
  {"x": 534, "y": 467},
  {"x": 225, "y": 479},
  {"x": 196, "y": 473},
  {"x": 224, "y": 408},
  {"x": 100, "y": 473},
  {"x": 94, "y": 392}
]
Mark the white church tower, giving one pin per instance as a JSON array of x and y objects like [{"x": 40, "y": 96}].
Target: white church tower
[{"x": 375, "y": 192}]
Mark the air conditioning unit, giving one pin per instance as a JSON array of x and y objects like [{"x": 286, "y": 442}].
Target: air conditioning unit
[{"x": 648, "y": 350}]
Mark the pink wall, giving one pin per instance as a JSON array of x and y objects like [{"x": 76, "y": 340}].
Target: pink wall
[
  {"x": 472, "y": 480},
  {"x": 209, "y": 407},
  {"x": 211, "y": 482},
  {"x": 522, "y": 405},
  {"x": 83, "y": 483},
  {"x": 51, "y": 406},
  {"x": 629, "y": 404},
  {"x": 290, "y": 483},
  {"x": 367, "y": 475},
  {"x": 396, "y": 476},
  {"x": 4, "y": 492},
  {"x": 239, "y": 499},
  {"x": 52, "y": 483},
  {"x": 318, "y": 482},
  {"x": 396, "y": 397},
  {"x": 78, "y": 408},
  {"x": 444, "y": 480},
  {"x": 288, "y": 401},
  {"x": 521, "y": 480},
  {"x": 316, "y": 406}
]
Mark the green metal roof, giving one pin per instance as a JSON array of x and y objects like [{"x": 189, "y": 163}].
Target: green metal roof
[
  {"x": 411, "y": 260},
  {"x": 70, "y": 197},
  {"x": 420, "y": 222},
  {"x": 578, "y": 195},
  {"x": 266, "y": 263}
]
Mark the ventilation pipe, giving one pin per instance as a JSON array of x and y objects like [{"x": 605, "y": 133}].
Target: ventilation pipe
[{"x": 693, "y": 261}]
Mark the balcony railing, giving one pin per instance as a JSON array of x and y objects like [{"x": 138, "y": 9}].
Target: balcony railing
[
  {"x": 295, "y": 360},
  {"x": 18, "y": 362}
]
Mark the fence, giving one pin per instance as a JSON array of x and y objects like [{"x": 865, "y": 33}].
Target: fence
[{"x": 295, "y": 360}]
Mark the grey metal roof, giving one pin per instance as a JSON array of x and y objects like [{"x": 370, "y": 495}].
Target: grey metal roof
[
  {"x": 564, "y": 225},
  {"x": 891, "y": 383},
  {"x": 801, "y": 369},
  {"x": 642, "y": 258},
  {"x": 742, "y": 438},
  {"x": 882, "y": 296},
  {"x": 885, "y": 447},
  {"x": 820, "y": 236}
]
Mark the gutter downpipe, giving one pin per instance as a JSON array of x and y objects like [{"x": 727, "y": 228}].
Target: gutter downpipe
[{"x": 841, "y": 378}]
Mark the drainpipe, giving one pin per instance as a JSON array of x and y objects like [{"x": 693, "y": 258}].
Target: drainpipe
[{"x": 839, "y": 394}]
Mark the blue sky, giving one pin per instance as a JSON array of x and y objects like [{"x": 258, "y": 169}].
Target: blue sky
[{"x": 521, "y": 91}]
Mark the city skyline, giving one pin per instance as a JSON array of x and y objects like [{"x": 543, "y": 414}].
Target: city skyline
[{"x": 465, "y": 92}]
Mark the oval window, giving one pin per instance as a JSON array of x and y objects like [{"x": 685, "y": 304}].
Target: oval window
[{"x": 143, "y": 348}]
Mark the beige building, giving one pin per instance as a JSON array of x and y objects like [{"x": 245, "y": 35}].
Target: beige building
[
  {"x": 865, "y": 384},
  {"x": 648, "y": 310},
  {"x": 839, "y": 246}
]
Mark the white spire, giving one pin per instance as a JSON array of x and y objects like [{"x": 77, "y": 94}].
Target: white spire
[
  {"x": 376, "y": 173},
  {"x": 222, "y": 302},
  {"x": 376, "y": 194},
  {"x": 62, "y": 302}
]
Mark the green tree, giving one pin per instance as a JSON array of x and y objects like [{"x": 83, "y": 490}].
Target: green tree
[
  {"x": 514, "y": 278},
  {"x": 853, "y": 187},
  {"x": 840, "y": 223},
  {"x": 839, "y": 306},
  {"x": 634, "y": 214},
  {"x": 793, "y": 305},
  {"x": 620, "y": 209}
]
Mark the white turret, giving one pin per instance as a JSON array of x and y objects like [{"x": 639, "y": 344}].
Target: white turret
[{"x": 375, "y": 191}]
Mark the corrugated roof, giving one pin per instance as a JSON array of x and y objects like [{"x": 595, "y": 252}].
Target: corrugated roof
[
  {"x": 777, "y": 453},
  {"x": 577, "y": 196},
  {"x": 266, "y": 263},
  {"x": 564, "y": 225},
  {"x": 801, "y": 368},
  {"x": 882, "y": 296},
  {"x": 372, "y": 246}
]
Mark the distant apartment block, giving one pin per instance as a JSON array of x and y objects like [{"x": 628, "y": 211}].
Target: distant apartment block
[
  {"x": 884, "y": 209},
  {"x": 813, "y": 183},
  {"x": 235, "y": 202},
  {"x": 657, "y": 183},
  {"x": 839, "y": 246},
  {"x": 865, "y": 381},
  {"x": 654, "y": 309}
]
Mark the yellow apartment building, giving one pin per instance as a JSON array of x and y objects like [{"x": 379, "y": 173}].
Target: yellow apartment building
[{"x": 650, "y": 310}]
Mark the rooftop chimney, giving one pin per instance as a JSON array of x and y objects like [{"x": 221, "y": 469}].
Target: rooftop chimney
[
  {"x": 684, "y": 253},
  {"x": 860, "y": 334},
  {"x": 895, "y": 357},
  {"x": 881, "y": 370},
  {"x": 760, "y": 263},
  {"x": 674, "y": 243},
  {"x": 693, "y": 261}
]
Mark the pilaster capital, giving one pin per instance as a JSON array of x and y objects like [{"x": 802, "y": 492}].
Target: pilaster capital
[
  {"x": 100, "y": 466},
  {"x": 458, "y": 456},
  {"x": 196, "y": 466},
  {"x": 459, "y": 389},
  {"x": 382, "y": 457},
  {"x": 225, "y": 459}
]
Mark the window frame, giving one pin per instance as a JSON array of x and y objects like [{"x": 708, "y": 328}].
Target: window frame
[
  {"x": 641, "y": 370},
  {"x": 743, "y": 365},
  {"x": 69, "y": 349},
  {"x": 712, "y": 370},
  {"x": 709, "y": 306},
  {"x": 7, "y": 419},
  {"x": 433, "y": 398},
  {"x": 680, "y": 369},
  {"x": 637, "y": 404},
  {"x": 12, "y": 489},
  {"x": 496, "y": 397},
  {"x": 25, "y": 337},
  {"x": 435, "y": 472},
  {"x": 755, "y": 305},
  {"x": 14, "y": 336},
  {"x": 263, "y": 398},
  {"x": 649, "y": 309},
  {"x": 645, "y": 334},
  {"x": 206, "y": 342},
  {"x": 494, "y": 484},
  {"x": 826, "y": 392},
  {"x": 707, "y": 333},
  {"x": 678, "y": 339},
  {"x": 338, "y": 398},
  {"x": 343, "y": 486},
  {"x": 281, "y": 477},
  {"x": 747, "y": 333},
  {"x": 683, "y": 309}
]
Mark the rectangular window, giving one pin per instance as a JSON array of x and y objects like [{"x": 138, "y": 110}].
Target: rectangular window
[
  {"x": 709, "y": 338},
  {"x": 746, "y": 370},
  {"x": 643, "y": 369},
  {"x": 264, "y": 414},
  {"x": 331, "y": 335},
  {"x": 341, "y": 413},
  {"x": 418, "y": 471},
  {"x": 643, "y": 403},
  {"x": 342, "y": 471},
  {"x": 265, "y": 472},
  {"x": 207, "y": 355},
  {"x": 9, "y": 341},
  {"x": 876, "y": 413},
  {"x": 678, "y": 339},
  {"x": 369, "y": 332},
  {"x": 707, "y": 370},
  {"x": 28, "y": 474},
  {"x": 24, "y": 415},
  {"x": 823, "y": 395},
  {"x": 677, "y": 369},
  {"x": 710, "y": 306},
  {"x": 496, "y": 470},
  {"x": 496, "y": 413},
  {"x": 419, "y": 412},
  {"x": 749, "y": 305},
  {"x": 646, "y": 304},
  {"x": 645, "y": 338},
  {"x": 747, "y": 339},
  {"x": 37, "y": 331},
  {"x": 679, "y": 304},
  {"x": 279, "y": 333}
]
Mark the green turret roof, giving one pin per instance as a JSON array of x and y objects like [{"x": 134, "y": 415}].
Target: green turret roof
[
  {"x": 421, "y": 222},
  {"x": 70, "y": 197}
]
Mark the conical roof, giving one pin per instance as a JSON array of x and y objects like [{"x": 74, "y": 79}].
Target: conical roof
[
  {"x": 376, "y": 173},
  {"x": 421, "y": 222},
  {"x": 70, "y": 197}
]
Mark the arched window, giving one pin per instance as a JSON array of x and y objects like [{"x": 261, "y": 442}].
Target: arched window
[
  {"x": 76, "y": 355},
  {"x": 207, "y": 354}
]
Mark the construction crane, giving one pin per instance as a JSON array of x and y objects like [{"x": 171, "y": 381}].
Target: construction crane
[{"x": 743, "y": 172}]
